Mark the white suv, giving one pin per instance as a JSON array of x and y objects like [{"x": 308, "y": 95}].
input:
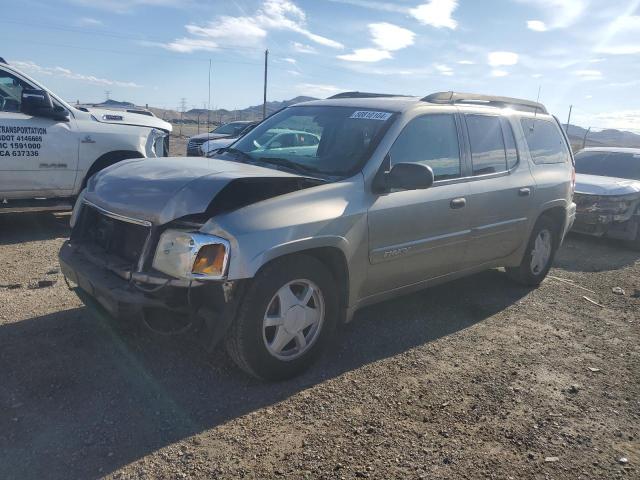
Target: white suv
[{"x": 48, "y": 148}]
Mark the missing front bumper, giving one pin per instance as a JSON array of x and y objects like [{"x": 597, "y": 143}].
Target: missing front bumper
[{"x": 212, "y": 305}]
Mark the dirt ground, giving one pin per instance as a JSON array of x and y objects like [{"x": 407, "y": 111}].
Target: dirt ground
[{"x": 479, "y": 378}]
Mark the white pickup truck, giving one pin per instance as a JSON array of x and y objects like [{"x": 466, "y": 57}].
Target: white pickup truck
[{"x": 48, "y": 148}]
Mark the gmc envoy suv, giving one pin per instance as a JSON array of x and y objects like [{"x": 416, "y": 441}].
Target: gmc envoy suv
[{"x": 269, "y": 248}]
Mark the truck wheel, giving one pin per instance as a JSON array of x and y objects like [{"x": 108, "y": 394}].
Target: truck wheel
[
  {"x": 286, "y": 318},
  {"x": 539, "y": 255}
]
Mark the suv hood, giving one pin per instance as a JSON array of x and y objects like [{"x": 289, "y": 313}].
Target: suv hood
[
  {"x": 598, "y": 185},
  {"x": 104, "y": 115},
  {"x": 209, "y": 136},
  {"x": 163, "y": 189}
]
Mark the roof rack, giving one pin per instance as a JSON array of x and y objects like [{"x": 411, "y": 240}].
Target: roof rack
[
  {"x": 363, "y": 95},
  {"x": 452, "y": 98}
]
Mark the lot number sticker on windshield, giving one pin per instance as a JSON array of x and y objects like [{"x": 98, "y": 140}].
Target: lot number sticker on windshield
[{"x": 369, "y": 115}]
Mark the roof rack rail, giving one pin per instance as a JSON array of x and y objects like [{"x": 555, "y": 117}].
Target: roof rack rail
[
  {"x": 363, "y": 95},
  {"x": 452, "y": 98},
  {"x": 2, "y": 60}
]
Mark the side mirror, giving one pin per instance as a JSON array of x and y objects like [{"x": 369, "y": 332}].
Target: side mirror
[
  {"x": 38, "y": 103},
  {"x": 405, "y": 176}
]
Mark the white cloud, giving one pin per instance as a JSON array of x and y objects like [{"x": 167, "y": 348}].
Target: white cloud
[
  {"x": 290, "y": 60},
  {"x": 436, "y": 13},
  {"x": 231, "y": 30},
  {"x": 466, "y": 62},
  {"x": 366, "y": 55},
  {"x": 89, "y": 22},
  {"x": 295, "y": 73},
  {"x": 497, "y": 59},
  {"x": 499, "y": 73},
  {"x": 588, "y": 74},
  {"x": 249, "y": 31},
  {"x": 620, "y": 119},
  {"x": 443, "y": 69},
  {"x": 536, "y": 26},
  {"x": 302, "y": 48},
  {"x": 387, "y": 37},
  {"x": 318, "y": 90},
  {"x": 621, "y": 36},
  {"x": 558, "y": 13},
  {"x": 375, "y": 5},
  {"x": 390, "y": 37},
  {"x": 57, "y": 71}
]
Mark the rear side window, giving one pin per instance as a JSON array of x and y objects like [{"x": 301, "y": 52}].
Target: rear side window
[
  {"x": 431, "y": 140},
  {"x": 488, "y": 153},
  {"x": 545, "y": 141}
]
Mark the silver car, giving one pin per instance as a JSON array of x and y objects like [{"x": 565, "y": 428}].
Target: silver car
[
  {"x": 270, "y": 249},
  {"x": 608, "y": 193}
]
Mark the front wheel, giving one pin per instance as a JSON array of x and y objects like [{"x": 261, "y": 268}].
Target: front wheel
[
  {"x": 286, "y": 318},
  {"x": 539, "y": 255}
]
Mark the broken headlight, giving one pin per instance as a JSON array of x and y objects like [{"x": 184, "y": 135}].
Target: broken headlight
[{"x": 191, "y": 255}]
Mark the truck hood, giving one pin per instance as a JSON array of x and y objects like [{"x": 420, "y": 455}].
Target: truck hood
[
  {"x": 598, "y": 185},
  {"x": 162, "y": 189},
  {"x": 104, "y": 115}
]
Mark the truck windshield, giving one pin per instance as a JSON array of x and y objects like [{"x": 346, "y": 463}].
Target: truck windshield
[
  {"x": 330, "y": 141},
  {"x": 609, "y": 164}
]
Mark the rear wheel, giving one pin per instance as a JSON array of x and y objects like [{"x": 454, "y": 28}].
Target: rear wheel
[
  {"x": 286, "y": 319},
  {"x": 539, "y": 255}
]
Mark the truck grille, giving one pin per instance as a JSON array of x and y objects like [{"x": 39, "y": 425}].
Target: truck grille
[
  {"x": 193, "y": 147},
  {"x": 111, "y": 237}
]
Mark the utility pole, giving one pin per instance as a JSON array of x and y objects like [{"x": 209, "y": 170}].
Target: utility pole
[
  {"x": 107, "y": 93},
  {"x": 183, "y": 108},
  {"x": 264, "y": 102},
  {"x": 566, "y": 130},
  {"x": 209, "y": 101},
  {"x": 584, "y": 140}
]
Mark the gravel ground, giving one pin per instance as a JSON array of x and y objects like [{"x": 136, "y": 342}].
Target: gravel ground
[{"x": 475, "y": 379}]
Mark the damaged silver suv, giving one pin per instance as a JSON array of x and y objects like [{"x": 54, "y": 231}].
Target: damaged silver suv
[{"x": 270, "y": 244}]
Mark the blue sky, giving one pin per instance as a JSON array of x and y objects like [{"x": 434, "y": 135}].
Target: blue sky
[{"x": 580, "y": 52}]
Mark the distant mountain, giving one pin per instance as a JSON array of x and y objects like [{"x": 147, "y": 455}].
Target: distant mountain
[
  {"x": 114, "y": 104},
  {"x": 222, "y": 115},
  {"x": 609, "y": 137}
]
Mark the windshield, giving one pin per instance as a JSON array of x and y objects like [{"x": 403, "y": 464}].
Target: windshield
[
  {"x": 330, "y": 141},
  {"x": 230, "y": 128},
  {"x": 609, "y": 164}
]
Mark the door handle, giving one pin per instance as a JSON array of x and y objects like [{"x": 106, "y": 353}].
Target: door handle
[
  {"x": 524, "y": 192},
  {"x": 458, "y": 203}
]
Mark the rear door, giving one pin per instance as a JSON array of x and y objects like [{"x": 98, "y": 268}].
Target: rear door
[
  {"x": 38, "y": 156},
  {"x": 421, "y": 234},
  {"x": 501, "y": 189}
]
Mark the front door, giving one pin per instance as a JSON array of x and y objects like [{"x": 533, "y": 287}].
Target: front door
[
  {"x": 38, "y": 156},
  {"x": 420, "y": 234}
]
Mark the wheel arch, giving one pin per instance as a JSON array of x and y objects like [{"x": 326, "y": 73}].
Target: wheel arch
[
  {"x": 332, "y": 256},
  {"x": 107, "y": 160}
]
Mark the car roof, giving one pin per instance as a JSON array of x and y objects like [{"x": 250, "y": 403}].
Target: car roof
[
  {"x": 389, "y": 104},
  {"x": 467, "y": 102},
  {"x": 611, "y": 150}
]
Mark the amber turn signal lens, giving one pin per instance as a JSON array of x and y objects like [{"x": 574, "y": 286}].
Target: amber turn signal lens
[{"x": 210, "y": 260}]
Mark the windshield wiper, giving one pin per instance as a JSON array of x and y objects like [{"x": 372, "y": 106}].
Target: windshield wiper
[
  {"x": 283, "y": 162},
  {"x": 237, "y": 152}
]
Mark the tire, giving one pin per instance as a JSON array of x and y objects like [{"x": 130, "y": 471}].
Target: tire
[
  {"x": 530, "y": 272},
  {"x": 286, "y": 343}
]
